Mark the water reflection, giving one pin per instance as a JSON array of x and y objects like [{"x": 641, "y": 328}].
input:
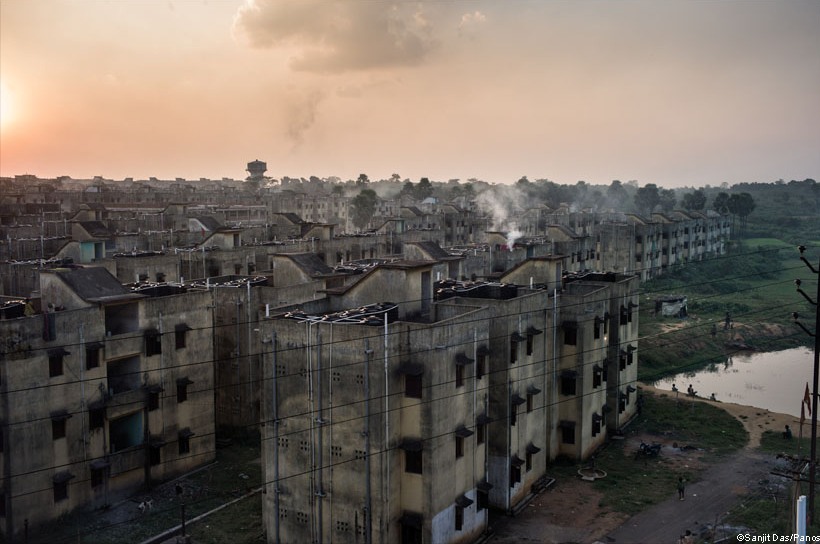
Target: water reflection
[{"x": 775, "y": 380}]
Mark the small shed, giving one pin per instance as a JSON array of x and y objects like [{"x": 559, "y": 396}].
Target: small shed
[{"x": 671, "y": 306}]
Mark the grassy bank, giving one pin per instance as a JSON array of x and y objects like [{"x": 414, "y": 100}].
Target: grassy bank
[
  {"x": 754, "y": 285},
  {"x": 634, "y": 484}
]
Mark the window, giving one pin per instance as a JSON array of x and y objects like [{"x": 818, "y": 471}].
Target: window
[
  {"x": 568, "y": 382},
  {"x": 185, "y": 441},
  {"x": 483, "y": 495},
  {"x": 570, "y": 333},
  {"x": 532, "y": 449},
  {"x": 481, "y": 364},
  {"x": 58, "y": 420},
  {"x": 55, "y": 362},
  {"x": 596, "y": 331},
  {"x": 153, "y": 397},
  {"x": 461, "y": 361},
  {"x": 481, "y": 428},
  {"x": 514, "y": 404},
  {"x": 411, "y": 525},
  {"x": 513, "y": 352},
  {"x": 630, "y": 350},
  {"x": 155, "y": 451},
  {"x": 182, "y": 389},
  {"x": 461, "y": 434},
  {"x": 92, "y": 355},
  {"x": 515, "y": 470},
  {"x": 96, "y": 416},
  {"x": 461, "y": 503},
  {"x": 153, "y": 342},
  {"x": 597, "y": 375},
  {"x": 60, "y": 482},
  {"x": 624, "y": 315},
  {"x": 532, "y": 332},
  {"x": 413, "y": 461},
  {"x": 180, "y": 332},
  {"x": 99, "y": 469},
  {"x": 567, "y": 432},
  {"x": 529, "y": 402},
  {"x": 412, "y": 379},
  {"x": 596, "y": 424},
  {"x": 622, "y": 360}
]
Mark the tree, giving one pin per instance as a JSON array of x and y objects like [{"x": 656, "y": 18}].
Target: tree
[
  {"x": 616, "y": 194},
  {"x": 647, "y": 198},
  {"x": 721, "y": 203},
  {"x": 362, "y": 180},
  {"x": 741, "y": 205},
  {"x": 695, "y": 201},
  {"x": 408, "y": 189},
  {"x": 423, "y": 189},
  {"x": 668, "y": 200},
  {"x": 363, "y": 207}
]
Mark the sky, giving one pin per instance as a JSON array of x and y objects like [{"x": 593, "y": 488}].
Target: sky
[{"x": 676, "y": 93}]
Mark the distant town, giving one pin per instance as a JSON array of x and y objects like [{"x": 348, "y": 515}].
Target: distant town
[{"x": 408, "y": 356}]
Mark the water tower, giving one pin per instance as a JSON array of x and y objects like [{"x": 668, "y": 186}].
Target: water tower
[{"x": 257, "y": 170}]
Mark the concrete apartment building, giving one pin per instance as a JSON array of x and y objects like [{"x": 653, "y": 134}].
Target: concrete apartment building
[
  {"x": 405, "y": 421},
  {"x": 375, "y": 415},
  {"x": 104, "y": 391}
]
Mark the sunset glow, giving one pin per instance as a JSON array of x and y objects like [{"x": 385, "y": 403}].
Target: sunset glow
[{"x": 674, "y": 93}]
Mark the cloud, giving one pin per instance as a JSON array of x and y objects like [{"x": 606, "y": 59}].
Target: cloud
[
  {"x": 471, "y": 19},
  {"x": 336, "y": 36}
]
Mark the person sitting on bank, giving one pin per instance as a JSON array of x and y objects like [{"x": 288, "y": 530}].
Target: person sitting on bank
[
  {"x": 691, "y": 391},
  {"x": 787, "y": 434}
]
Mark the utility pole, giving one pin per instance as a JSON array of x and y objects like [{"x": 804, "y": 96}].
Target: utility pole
[{"x": 813, "y": 458}]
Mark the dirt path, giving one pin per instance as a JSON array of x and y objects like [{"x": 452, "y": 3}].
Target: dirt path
[{"x": 570, "y": 513}]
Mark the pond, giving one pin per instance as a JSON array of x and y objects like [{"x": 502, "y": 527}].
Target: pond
[{"x": 774, "y": 380}]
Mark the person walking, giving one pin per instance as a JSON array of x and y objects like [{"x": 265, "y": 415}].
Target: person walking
[{"x": 681, "y": 487}]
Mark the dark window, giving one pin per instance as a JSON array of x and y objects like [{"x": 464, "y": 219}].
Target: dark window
[
  {"x": 92, "y": 357},
  {"x": 622, "y": 360},
  {"x": 515, "y": 470},
  {"x": 155, "y": 453},
  {"x": 413, "y": 461},
  {"x": 97, "y": 477},
  {"x": 153, "y": 343},
  {"x": 481, "y": 362},
  {"x": 479, "y": 433},
  {"x": 459, "y": 447},
  {"x": 596, "y": 331},
  {"x": 483, "y": 500},
  {"x": 412, "y": 386},
  {"x": 459, "y": 517},
  {"x": 528, "y": 463},
  {"x": 624, "y": 315},
  {"x": 2, "y": 504},
  {"x": 596, "y": 424},
  {"x": 597, "y": 376},
  {"x": 185, "y": 441},
  {"x": 529, "y": 402},
  {"x": 529, "y": 344},
  {"x": 96, "y": 417},
  {"x": 60, "y": 491},
  {"x": 153, "y": 398},
  {"x": 55, "y": 363},
  {"x": 180, "y": 333},
  {"x": 513, "y": 352},
  {"x": 182, "y": 389},
  {"x": 568, "y": 432},
  {"x": 459, "y": 375},
  {"x": 568, "y": 383},
  {"x": 57, "y": 428},
  {"x": 570, "y": 334},
  {"x": 411, "y": 529}
]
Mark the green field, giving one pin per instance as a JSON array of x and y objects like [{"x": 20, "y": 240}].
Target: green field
[{"x": 754, "y": 284}]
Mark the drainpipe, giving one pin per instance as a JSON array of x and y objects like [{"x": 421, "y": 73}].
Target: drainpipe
[
  {"x": 253, "y": 412},
  {"x": 368, "y": 513},
  {"x": 320, "y": 492},
  {"x": 386, "y": 446},
  {"x": 275, "y": 402}
]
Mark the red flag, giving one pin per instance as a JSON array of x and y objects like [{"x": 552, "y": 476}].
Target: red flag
[
  {"x": 802, "y": 414},
  {"x": 807, "y": 398}
]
